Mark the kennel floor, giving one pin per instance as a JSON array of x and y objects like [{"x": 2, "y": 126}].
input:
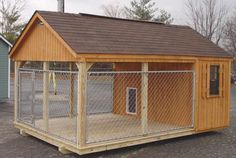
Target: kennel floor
[{"x": 103, "y": 127}]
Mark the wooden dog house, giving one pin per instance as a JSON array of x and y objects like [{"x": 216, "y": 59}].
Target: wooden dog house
[{"x": 167, "y": 81}]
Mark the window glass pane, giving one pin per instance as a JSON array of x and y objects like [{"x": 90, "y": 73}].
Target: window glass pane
[{"x": 214, "y": 79}]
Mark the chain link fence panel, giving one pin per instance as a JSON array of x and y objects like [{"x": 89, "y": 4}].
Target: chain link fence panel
[
  {"x": 114, "y": 106},
  {"x": 62, "y": 102},
  {"x": 114, "y": 109}
]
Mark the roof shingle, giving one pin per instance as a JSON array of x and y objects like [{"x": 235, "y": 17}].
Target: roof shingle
[{"x": 86, "y": 33}]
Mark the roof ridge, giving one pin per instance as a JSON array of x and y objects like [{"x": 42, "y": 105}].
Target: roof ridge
[
  {"x": 116, "y": 18},
  {"x": 134, "y": 20}
]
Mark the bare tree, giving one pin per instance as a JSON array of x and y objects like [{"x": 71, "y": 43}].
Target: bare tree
[
  {"x": 229, "y": 43},
  {"x": 10, "y": 21},
  {"x": 113, "y": 10},
  {"x": 230, "y": 35},
  {"x": 208, "y": 17}
]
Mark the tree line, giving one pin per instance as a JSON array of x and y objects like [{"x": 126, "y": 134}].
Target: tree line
[{"x": 211, "y": 18}]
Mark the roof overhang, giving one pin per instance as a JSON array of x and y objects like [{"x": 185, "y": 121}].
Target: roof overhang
[{"x": 6, "y": 41}]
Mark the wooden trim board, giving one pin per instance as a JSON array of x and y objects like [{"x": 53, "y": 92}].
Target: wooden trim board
[{"x": 92, "y": 57}]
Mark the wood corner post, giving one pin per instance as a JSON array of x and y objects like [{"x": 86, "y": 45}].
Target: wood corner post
[
  {"x": 144, "y": 98},
  {"x": 83, "y": 68},
  {"x": 81, "y": 107}
]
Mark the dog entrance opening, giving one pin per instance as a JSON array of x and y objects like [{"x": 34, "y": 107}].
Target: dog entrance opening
[{"x": 131, "y": 100}]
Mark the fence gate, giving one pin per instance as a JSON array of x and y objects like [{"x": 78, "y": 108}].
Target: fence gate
[
  {"x": 26, "y": 87},
  {"x": 60, "y": 118}
]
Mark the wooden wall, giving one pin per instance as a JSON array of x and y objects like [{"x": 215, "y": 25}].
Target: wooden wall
[
  {"x": 165, "y": 101},
  {"x": 169, "y": 66},
  {"x": 121, "y": 82},
  {"x": 41, "y": 44},
  {"x": 170, "y": 95},
  {"x": 213, "y": 111}
]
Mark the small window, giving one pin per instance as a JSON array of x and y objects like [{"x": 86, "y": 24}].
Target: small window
[
  {"x": 214, "y": 79},
  {"x": 131, "y": 100}
]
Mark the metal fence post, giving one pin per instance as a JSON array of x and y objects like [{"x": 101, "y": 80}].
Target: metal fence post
[
  {"x": 17, "y": 92},
  {"x": 193, "y": 99},
  {"x": 33, "y": 98},
  {"x": 71, "y": 95},
  {"x": 45, "y": 94},
  {"x": 17, "y": 89}
]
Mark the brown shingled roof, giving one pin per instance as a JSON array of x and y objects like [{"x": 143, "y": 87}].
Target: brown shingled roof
[{"x": 86, "y": 33}]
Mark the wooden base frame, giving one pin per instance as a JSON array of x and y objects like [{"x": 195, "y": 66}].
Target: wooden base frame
[{"x": 66, "y": 147}]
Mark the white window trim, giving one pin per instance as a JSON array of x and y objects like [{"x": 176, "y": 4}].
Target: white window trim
[{"x": 127, "y": 100}]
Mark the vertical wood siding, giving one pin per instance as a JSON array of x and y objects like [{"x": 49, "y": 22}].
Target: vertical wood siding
[
  {"x": 40, "y": 44},
  {"x": 213, "y": 111},
  {"x": 121, "y": 82},
  {"x": 159, "y": 109}
]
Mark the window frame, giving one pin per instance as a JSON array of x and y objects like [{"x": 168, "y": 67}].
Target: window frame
[
  {"x": 127, "y": 100},
  {"x": 219, "y": 80}
]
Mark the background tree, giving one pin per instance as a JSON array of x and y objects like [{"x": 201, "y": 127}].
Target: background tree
[
  {"x": 230, "y": 35},
  {"x": 230, "y": 39},
  {"x": 164, "y": 17},
  {"x": 113, "y": 10},
  {"x": 147, "y": 10},
  {"x": 10, "y": 21},
  {"x": 208, "y": 17},
  {"x": 139, "y": 10}
]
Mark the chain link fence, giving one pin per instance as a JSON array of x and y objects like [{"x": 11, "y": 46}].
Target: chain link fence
[
  {"x": 62, "y": 102},
  {"x": 114, "y": 109},
  {"x": 114, "y": 103}
]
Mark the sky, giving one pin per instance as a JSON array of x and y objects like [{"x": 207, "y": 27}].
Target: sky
[{"x": 175, "y": 7}]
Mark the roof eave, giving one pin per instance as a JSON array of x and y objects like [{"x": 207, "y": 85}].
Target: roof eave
[{"x": 6, "y": 41}]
